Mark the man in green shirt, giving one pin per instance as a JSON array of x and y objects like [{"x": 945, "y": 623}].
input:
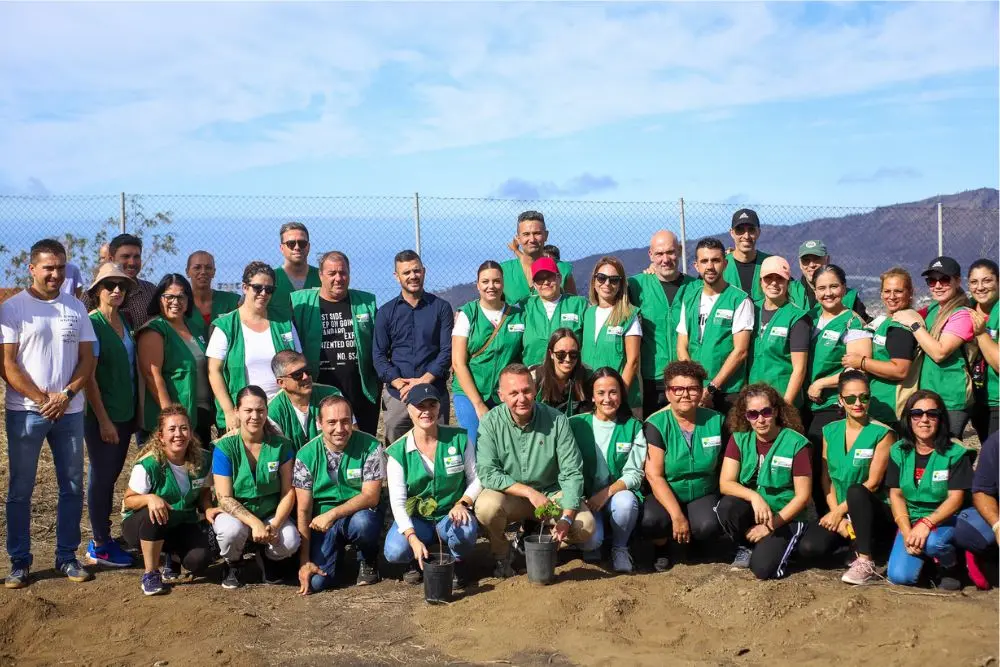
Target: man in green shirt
[
  {"x": 526, "y": 455},
  {"x": 529, "y": 245},
  {"x": 295, "y": 273},
  {"x": 743, "y": 267}
]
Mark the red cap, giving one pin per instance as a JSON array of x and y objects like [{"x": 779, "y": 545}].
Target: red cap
[{"x": 544, "y": 264}]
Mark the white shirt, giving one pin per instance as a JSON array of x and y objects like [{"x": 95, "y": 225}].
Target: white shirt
[
  {"x": 397, "y": 481},
  {"x": 601, "y": 316},
  {"x": 259, "y": 351},
  {"x": 48, "y": 335},
  {"x": 550, "y": 306},
  {"x": 462, "y": 326},
  {"x": 73, "y": 281},
  {"x": 742, "y": 319},
  {"x": 139, "y": 480}
]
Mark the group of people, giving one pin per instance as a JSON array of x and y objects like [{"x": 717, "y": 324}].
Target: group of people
[{"x": 742, "y": 414}]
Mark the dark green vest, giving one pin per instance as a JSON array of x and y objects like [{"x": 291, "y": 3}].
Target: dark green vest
[{"x": 692, "y": 471}]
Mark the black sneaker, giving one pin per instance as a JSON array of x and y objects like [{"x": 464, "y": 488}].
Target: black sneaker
[
  {"x": 458, "y": 577},
  {"x": 949, "y": 584},
  {"x": 231, "y": 577},
  {"x": 367, "y": 573},
  {"x": 503, "y": 568},
  {"x": 413, "y": 575},
  {"x": 270, "y": 570}
]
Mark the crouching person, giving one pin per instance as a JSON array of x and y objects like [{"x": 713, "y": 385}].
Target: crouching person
[
  {"x": 338, "y": 481},
  {"x": 525, "y": 456},
  {"x": 253, "y": 482}
]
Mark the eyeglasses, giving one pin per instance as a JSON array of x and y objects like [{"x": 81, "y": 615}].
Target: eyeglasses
[
  {"x": 917, "y": 413},
  {"x": 112, "y": 285},
  {"x": 296, "y": 243},
  {"x": 258, "y": 288},
  {"x": 680, "y": 390},
  {"x": 298, "y": 375},
  {"x": 937, "y": 280},
  {"x": 851, "y": 400},
  {"x": 754, "y": 415},
  {"x": 602, "y": 278},
  {"x": 564, "y": 355},
  {"x": 545, "y": 277},
  {"x": 174, "y": 298}
]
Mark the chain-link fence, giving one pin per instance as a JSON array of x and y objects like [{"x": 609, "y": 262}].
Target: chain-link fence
[{"x": 455, "y": 235}]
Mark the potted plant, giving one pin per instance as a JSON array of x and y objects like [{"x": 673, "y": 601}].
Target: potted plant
[
  {"x": 439, "y": 568},
  {"x": 540, "y": 549}
]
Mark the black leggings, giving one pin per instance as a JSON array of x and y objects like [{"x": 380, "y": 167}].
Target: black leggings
[
  {"x": 871, "y": 519},
  {"x": 769, "y": 559},
  {"x": 188, "y": 541},
  {"x": 817, "y": 420},
  {"x": 700, "y": 513}
]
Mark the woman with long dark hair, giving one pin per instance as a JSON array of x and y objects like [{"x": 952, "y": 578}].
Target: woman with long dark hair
[
  {"x": 983, "y": 286},
  {"x": 561, "y": 378}
]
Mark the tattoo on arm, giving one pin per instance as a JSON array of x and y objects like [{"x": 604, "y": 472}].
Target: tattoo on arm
[{"x": 234, "y": 508}]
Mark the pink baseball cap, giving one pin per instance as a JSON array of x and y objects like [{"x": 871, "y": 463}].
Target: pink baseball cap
[
  {"x": 775, "y": 265},
  {"x": 543, "y": 264}
]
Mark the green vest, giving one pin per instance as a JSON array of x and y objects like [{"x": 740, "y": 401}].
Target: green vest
[
  {"x": 774, "y": 478},
  {"x": 659, "y": 321},
  {"x": 849, "y": 467},
  {"x": 504, "y": 348},
  {"x": 515, "y": 285},
  {"x": 711, "y": 348},
  {"x": 222, "y": 303},
  {"x": 538, "y": 327},
  {"x": 827, "y": 349},
  {"x": 183, "y": 506},
  {"x": 280, "y": 307},
  {"x": 992, "y": 379},
  {"x": 948, "y": 378},
  {"x": 329, "y": 492},
  {"x": 692, "y": 471},
  {"x": 113, "y": 374},
  {"x": 884, "y": 392},
  {"x": 771, "y": 354},
  {"x": 800, "y": 298},
  {"x": 448, "y": 483},
  {"x": 923, "y": 498},
  {"x": 234, "y": 369},
  {"x": 732, "y": 275},
  {"x": 308, "y": 320},
  {"x": 608, "y": 349},
  {"x": 259, "y": 488},
  {"x": 179, "y": 371},
  {"x": 619, "y": 449},
  {"x": 281, "y": 411}
]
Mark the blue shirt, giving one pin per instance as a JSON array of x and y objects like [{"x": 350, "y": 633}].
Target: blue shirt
[
  {"x": 412, "y": 341},
  {"x": 222, "y": 466},
  {"x": 985, "y": 480}
]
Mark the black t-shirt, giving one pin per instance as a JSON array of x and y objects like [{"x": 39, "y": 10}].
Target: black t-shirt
[
  {"x": 798, "y": 338},
  {"x": 338, "y": 362},
  {"x": 900, "y": 343},
  {"x": 745, "y": 271},
  {"x": 959, "y": 476},
  {"x": 670, "y": 287}
]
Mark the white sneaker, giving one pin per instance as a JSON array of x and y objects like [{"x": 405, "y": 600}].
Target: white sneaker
[
  {"x": 742, "y": 560},
  {"x": 861, "y": 572},
  {"x": 621, "y": 560}
]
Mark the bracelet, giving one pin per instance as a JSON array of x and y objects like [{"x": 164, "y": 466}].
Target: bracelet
[
  {"x": 863, "y": 363},
  {"x": 927, "y": 522},
  {"x": 996, "y": 526}
]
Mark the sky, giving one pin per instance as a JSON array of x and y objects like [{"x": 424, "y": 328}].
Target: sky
[{"x": 783, "y": 103}]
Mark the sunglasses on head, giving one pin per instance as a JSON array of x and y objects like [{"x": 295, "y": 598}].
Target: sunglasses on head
[
  {"x": 754, "y": 415},
  {"x": 296, "y": 243},
  {"x": 937, "y": 280},
  {"x": 917, "y": 413},
  {"x": 563, "y": 355},
  {"x": 602, "y": 278},
  {"x": 852, "y": 399},
  {"x": 112, "y": 285},
  {"x": 299, "y": 375},
  {"x": 680, "y": 390},
  {"x": 258, "y": 288}
]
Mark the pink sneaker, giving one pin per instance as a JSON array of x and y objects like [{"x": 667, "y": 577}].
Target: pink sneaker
[
  {"x": 976, "y": 573},
  {"x": 861, "y": 572}
]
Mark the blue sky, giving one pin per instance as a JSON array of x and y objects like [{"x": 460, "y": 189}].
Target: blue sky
[{"x": 793, "y": 103}]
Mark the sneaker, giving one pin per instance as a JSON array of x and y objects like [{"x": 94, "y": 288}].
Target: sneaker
[
  {"x": 231, "y": 577},
  {"x": 742, "y": 560},
  {"x": 503, "y": 569},
  {"x": 621, "y": 560},
  {"x": 367, "y": 573},
  {"x": 75, "y": 572},
  {"x": 18, "y": 577},
  {"x": 171, "y": 571},
  {"x": 108, "y": 554},
  {"x": 413, "y": 574},
  {"x": 661, "y": 559},
  {"x": 269, "y": 569},
  {"x": 861, "y": 572},
  {"x": 592, "y": 556},
  {"x": 949, "y": 580},
  {"x": 152, "y": 583},
  {"x": 976, "y": 572},
  {"x": 458, "y": 578}
]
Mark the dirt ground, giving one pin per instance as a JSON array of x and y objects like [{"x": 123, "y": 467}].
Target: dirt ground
[{"x": 692, "y": 615}]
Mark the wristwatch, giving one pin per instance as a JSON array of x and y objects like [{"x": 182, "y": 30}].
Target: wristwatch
[
  {"x": 464, "y": 504},
  {"x": 69, "y": 393},
  {"x": 712, "y": 389},
  {"x": 915, "y": 327},
  {"x": 566, "y": 519}
]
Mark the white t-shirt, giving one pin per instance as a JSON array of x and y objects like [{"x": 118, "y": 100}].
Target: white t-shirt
[
  {"x": 742, "y": 318},
  {"x": 48, "y": 334},
  {"x": 550, "y": 306},
  {"x": 601, "y": 316},
  {"x": 139, "y": 480},
  {"x": 259, "y": 351},
  {"x": 74, "y": 279},
  {"x": 462, "y": 326}
]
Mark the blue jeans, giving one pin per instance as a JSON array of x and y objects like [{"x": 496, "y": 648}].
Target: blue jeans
[
  {"x": 622, "y": 511},
  {"x": 25, "y": 433},
  {"x": 362, "y": 529},
  {"x": 461, "y": 540},
  {"x": 465, "y": 412},
  {"x": 972, "y": 533},
  {"x": 904, "y": 568}
]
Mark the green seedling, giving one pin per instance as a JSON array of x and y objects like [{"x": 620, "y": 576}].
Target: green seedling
[
  {"x": 425, "y": 508},
  {"x": 551, "y": 511}
]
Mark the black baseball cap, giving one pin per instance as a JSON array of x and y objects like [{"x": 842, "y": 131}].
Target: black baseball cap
[
  {"x": 745, "y": 216},
  {"x": 943, "y": 265},
  {"x": 421, "y": 393}
]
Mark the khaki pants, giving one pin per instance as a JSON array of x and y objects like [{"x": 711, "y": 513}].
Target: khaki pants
[{"x": 496, "y": 509}]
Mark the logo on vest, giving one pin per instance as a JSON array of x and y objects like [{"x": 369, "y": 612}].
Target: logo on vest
[
  {"x": 878, "y": 340},
  {"x": 779, "y": 332},
  {"x": 287, "y": 337},
  {"x": 940, "y": 476},
  {"x": 453, "y": 465},
  {"x": 863, "y": 454},
  {"x": 515, "y": 328},
  {"x": 623, "y": 447},
  {"x": 569, "y": 317},
  {"x": 272, "y": 466},
  {"x": 616, "y": 331},
  {"x": 198, "y": 483},
  {"x": 452, "y": 450},
  {"x": 781, "y": 462},
  {"x": 710, "y": 441},
  {"x": 362, "y": 317},
  {"x": 833, "y": 336},
  {"x": 353, "y": 473}
]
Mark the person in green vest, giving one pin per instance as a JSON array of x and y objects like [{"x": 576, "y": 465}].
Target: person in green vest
[
  {"x": 338, "y": 481},
  {"x": 946, "y": 335},
  {"x": 295, "y": 408},
  {"x": 765, "y": 481},
  {"x": 172, "y": 360},
  {"x": 983, "y": 282},
  {"x": 658, "y": 294},
  {"x": 110, "y": 419},
  {"x": 528, "y": 246},
  {"x": 782, "y": 332},
  {"x": 685, "y": 451},
  {"x": 561, "y": 379},
  {"x": 209, "y": 303},
  {"x": 837, "y": 331},
  {"x": 548, "y": 310},
  {"x": 337, "y": 325},
  {"x": 612, "y": 328},
  {"x": 743, "y": 267},
  {"x": 813, "y": 255},
  {"x": 613, "y": 449},
  {"x": 928, "y": 477},
  {"x": 892, "y": 366},
  {"x": 855, "y": 456},
  {"x": 295, "y": 273},
  {"x": 431, "y": 462},
  {"x": 485, "y": 338},
  {"x": 252, "y": 471},
  {"x": 715, "y": 327},
  {"x": 169, "y": 486},
  {"x": 244, "y": 342}
]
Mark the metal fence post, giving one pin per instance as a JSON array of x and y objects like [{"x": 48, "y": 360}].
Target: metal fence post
[
  {"x": 121, "y": 220},
  {"x": 684, "y": 254},
  {"x": 416, "y": 219},
  {"x": 940, "y": 231}
]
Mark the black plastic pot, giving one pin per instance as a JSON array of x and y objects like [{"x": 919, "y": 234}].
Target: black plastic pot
[
  {"x": 540, "y": 558},
  {"x": 438, "y": 572}
]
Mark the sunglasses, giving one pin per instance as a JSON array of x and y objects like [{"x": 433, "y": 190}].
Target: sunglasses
[
  {"x": 917, "y": 413},
  {"x": 299, "y": 375},
  {"x": 851, "y": 400},
  {"x": 563, "y": 355},
  {"x": 754, "y": 415},
  {"x": 258, "y": 288},
  {"x": 602, "y": 278},
  {"x": 174, "y": 298},
  {"x": 112, "y": 285},
  {"x": 680, "y": 390},
  {"x": 292, "y": 245},
  {"x": 937, "y": 280}
]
